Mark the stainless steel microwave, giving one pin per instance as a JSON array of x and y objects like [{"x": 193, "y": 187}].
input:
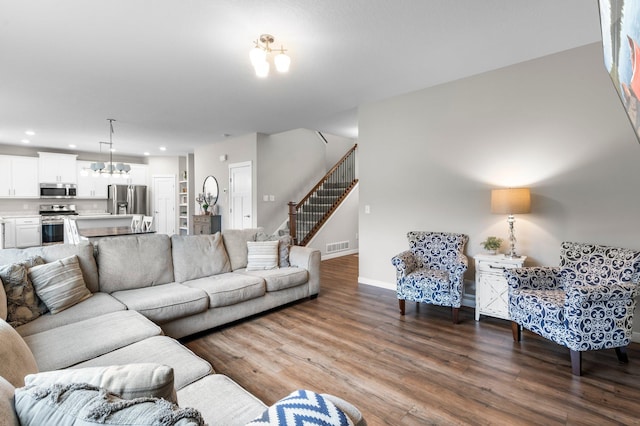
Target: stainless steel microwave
[{"x": 58, "y": 190}]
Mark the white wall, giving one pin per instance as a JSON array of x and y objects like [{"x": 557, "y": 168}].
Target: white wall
[
  {"x": 429, "y": 159},
  {"x": 207, "y": 162}
]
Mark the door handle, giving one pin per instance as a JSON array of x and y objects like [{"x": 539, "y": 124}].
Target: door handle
[{"x": 248, "y": 215}]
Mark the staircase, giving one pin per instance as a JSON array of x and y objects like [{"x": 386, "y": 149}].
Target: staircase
[{"x": 307, "y": 217}]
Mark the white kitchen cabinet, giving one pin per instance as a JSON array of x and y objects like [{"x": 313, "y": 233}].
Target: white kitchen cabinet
[
  {"x": 9, "y": 233},
  {"x": 19, "y": 177},
  {"x": 21, "y": 232},
  {"x": 28, "y": 232},
  {"x": 91, "y": 185},
  {"x": 137, "y": 175},
  {"x": 57, "y": 168},
  {"x": 492, "y": 291}
]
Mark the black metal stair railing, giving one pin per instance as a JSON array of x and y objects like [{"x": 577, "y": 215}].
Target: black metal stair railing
[{"x": 308, "y": 216}]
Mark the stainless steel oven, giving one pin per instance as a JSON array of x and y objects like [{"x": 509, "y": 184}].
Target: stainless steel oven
[{"x": 53, "y": 222}]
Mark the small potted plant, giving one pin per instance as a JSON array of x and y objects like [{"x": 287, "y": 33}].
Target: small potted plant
[{"x": 491, "y": 244}]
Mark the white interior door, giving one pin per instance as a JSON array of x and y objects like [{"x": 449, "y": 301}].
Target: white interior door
[
  {"x": 164, "y": 204},
  {"x": 240, "y": 205}
]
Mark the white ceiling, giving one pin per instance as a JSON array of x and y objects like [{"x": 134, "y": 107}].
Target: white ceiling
[{"x": 176, "y": 73}]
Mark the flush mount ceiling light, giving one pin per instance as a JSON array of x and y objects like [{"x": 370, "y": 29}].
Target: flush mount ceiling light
[{"x": 262, "y": 49}]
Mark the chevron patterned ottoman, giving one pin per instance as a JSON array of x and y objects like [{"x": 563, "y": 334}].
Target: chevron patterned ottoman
[{"x": 303, "y": 407}]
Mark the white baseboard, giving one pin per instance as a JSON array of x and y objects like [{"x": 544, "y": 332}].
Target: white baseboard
[
  {"x": 339, "y": 254},
  {"x": 376, "y": 283},
  {"x": 635, "y": 337}
]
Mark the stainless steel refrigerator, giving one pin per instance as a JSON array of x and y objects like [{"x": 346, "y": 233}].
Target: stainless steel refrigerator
[{"x": 127, "y": 199}]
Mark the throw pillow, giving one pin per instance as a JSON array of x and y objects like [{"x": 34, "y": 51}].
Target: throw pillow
[
  {"x": 262, "y": 255},
  {"x": 81, "y": 403},
  {"x": 59, "y": 284},
  {"x": 23, "y": 304},
  {"x": 283, "y": 248},
  {"x": 302, "y": 407},
  {"x": 128, "y": 381}
]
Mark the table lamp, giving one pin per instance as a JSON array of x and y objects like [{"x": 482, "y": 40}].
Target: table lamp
[{"x": 511, "y": 201}]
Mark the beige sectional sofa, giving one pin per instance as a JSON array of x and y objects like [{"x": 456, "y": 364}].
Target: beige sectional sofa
[{"x": 146, "y": 291}]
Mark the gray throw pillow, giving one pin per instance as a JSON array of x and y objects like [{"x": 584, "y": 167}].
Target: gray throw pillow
[
  {"x": 81, "y": 403},
  {"x": 285, "y": 242},
  {"x": 23, "y": 305},
  {"x": 59, "y": 284},
  {"x": 3, "y": 302}
]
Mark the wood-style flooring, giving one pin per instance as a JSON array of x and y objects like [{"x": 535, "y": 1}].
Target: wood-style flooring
[{"x": 419, "y": 368}]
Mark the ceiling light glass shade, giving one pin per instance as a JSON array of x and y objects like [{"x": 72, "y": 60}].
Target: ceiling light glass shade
[
  {"x": 257, "y": 56},
  {"x": 97, "y": 166},
  {"x": 282, "y": 62},
  {"x": 262, "y": 69}
]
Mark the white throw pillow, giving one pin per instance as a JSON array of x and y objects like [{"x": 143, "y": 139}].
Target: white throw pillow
[
  {"x": 262, "y": 255},
  {"x": 128, "y": 381},
  {"x": 59, "y": 284}
]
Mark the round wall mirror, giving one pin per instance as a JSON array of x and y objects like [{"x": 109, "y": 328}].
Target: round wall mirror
[{"x": 210, "y": 189}]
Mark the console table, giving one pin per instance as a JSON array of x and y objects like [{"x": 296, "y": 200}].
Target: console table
[
  {"x": 206, "y": 224},
  {"x": 492, "y": 291}
]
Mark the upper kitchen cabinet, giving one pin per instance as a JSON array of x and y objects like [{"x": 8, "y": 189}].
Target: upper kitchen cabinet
[
  {"x": 136, "y": 176},
  {"x": 19, "y": 177},
  {"x": 90, "y": 184},
  {"x": 57, "y": 168}
]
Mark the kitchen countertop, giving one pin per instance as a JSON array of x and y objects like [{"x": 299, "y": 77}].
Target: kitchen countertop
[{"x": 89, "y": 216}]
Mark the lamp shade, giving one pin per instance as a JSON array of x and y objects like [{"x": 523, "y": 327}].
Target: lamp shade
[{"x": 510, "y": 201}]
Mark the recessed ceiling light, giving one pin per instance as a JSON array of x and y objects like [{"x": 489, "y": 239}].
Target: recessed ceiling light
[
  {"x": 146, "y": 153},
  {"x": 71, "y": 145},
  {"x": 29, "y": 132},
  {"x": 25, "y": 140},
  {"x": 162, "y": 148}
]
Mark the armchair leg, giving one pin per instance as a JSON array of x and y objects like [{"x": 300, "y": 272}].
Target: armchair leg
[
  {"x": 455, "y": 312},
  {"x": 515, "y": 331},
  {"x": 401, "y": 304},
  {"x": 576, "y": 363},
  {"x": 621, "y": 352}
]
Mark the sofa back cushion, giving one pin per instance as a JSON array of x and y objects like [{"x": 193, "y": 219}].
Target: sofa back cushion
[
  {"x": 136, "y": 261},
  {"x": 3, "y": 302},
  {"x": 84, "y": 252},
  {"x": 198, "y": 256},
  {"x": 17, "y": 359},
  {"x": 235, "y": 242}
]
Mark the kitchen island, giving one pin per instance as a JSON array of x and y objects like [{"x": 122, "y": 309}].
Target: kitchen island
[{"x": 92, "y": 234}]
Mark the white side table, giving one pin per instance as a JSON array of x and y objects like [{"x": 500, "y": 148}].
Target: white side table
[{"x": 492, "y": 291}]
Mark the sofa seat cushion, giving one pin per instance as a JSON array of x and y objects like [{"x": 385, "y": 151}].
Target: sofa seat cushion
[
  {"x": 134, "y": 262},
  {"x": 187, "y": 367},
  {"x": 70, "y": 344},
  {"x": 162, "y": 303},
  {"x": 229, "y": 289},
  {"x": 96, "y": 305},
  {"x": 280, "y": 279},
  {"x": 232, "y": 405}
]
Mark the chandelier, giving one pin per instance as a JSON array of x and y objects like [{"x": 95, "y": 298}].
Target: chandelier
[
  {"x": 258, "y": 56},
  {"x": 110, "y": 169}
]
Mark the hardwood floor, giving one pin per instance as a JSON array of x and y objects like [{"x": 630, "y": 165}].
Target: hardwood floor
[{"x": 418, "y": 369}]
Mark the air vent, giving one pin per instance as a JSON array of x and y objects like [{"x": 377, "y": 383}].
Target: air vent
[{"x": 339, "y": 246}]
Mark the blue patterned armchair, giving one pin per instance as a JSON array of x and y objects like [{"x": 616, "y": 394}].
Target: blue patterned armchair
[
  {"x": 585, "y": 304},
  {"x": 432, "y": 270}
]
